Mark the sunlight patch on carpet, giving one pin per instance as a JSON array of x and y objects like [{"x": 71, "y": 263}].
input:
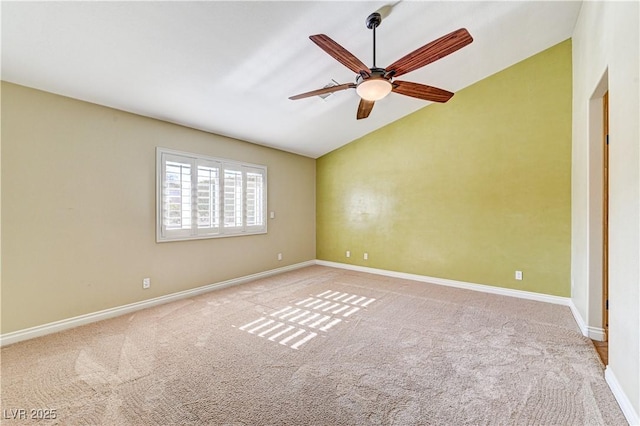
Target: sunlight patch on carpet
[{"x": 320, "y": 312}]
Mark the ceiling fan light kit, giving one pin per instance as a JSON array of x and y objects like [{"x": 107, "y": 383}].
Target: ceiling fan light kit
[
  {"x": 373, "y": 88},
  {"x": 373, "y": 84}
]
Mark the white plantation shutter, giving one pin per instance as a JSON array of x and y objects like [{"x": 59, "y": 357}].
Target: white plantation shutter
[
  {"x": 176, "y": 195},
  {"x": 208, "y": 202},
  {"x": 233, "y": 198},
  {"x": 255, "y": 197},
  {"x": 204, "y": 197}
]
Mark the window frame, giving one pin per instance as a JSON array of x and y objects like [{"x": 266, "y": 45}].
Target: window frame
[{"x": 193, "y": 232}]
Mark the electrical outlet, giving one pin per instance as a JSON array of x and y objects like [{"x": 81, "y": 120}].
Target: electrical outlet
[
  {"x": 519, "y": 275},
  {"x": 279, "y": 256},
  {"x": 366, "y": 256},
  {"x": 146, "y": 283},
  {"x": 348, "y": 253}
]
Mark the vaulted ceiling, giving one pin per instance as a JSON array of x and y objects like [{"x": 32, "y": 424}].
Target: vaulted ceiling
[{"x": 229, "y": 67}]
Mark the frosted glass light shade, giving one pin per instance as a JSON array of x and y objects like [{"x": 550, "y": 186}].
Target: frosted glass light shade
[{"x": 374, "y": 89}]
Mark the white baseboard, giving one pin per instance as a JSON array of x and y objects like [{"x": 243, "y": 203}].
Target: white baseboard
[
  {"x": 54, "y": 327},
  {"x": 624, "y": 402},
  {"x": 558, "y": 300},
  {"x": 576, "y": 315},
  {"x": 596, "y": 333}
]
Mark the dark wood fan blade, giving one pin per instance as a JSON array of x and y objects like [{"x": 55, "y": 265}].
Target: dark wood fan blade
[
  {"x": 323, "y": 91},
  {"x": 421, "y": 91},
  {"x": 431, "y": 52},
  {"x": 364, "y": 108},
  {"x": 339, "y": 53}
]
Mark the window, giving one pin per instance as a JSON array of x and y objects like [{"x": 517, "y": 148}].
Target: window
[{"x": 204, "y": 197}]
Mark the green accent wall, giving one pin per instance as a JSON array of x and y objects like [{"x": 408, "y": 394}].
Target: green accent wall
[{"x": 471, "y": 190}]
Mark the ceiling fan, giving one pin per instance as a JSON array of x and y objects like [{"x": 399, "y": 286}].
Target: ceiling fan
[{"x": 373, "y": 84}]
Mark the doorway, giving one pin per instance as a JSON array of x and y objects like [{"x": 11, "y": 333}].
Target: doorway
[
  {"x": 602, "y": 347},
  {"x": 605, "y": 215}
]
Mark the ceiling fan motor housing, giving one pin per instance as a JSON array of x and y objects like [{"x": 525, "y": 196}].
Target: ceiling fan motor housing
[{"x": 375, "y": 73}]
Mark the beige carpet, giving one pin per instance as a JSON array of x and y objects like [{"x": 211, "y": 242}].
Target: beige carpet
[{"x": 318, "y": 346}]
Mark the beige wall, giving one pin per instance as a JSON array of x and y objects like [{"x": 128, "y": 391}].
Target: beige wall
[
  {"x": 78, "y": 210},
  {"x": 606, "y": 51}
]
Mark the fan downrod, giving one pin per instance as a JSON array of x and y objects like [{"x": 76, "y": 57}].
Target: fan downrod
[{"x": 373, "y": 21}]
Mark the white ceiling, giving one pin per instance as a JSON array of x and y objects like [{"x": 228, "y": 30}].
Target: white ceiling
[{"x": 229, "y": 67}]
